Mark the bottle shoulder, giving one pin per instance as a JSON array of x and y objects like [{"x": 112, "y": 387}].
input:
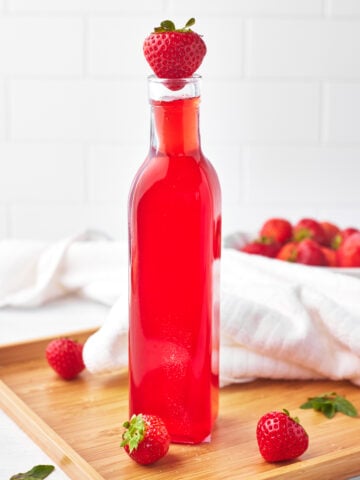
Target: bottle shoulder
[{"x": 179, "y": 171}]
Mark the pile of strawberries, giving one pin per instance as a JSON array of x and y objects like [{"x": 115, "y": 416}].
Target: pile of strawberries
[{"x": 309, "y": 242}]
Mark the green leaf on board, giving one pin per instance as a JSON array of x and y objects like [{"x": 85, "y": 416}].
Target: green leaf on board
[
  {"x": 38, "y": 472},
  {"x": 329, "y": 404}
]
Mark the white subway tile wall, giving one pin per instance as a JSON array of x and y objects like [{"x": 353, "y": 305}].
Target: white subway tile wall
[
  {"x": 37, "y": 172},
  {"x": 40, "y": 46},
  {"x": 343, "y": 121},
  {"x": 85, "y": 110},
  {"x": 344, "y": 7},
  {"x": 3, "y": 222},
  {"x": 280, "y": 113},
  {"x": 247, "y": 7},
  {"x": 291, "y": 179},
  {"x": 304, "y": 48},
  {"x": 3, "y": 116},
  {"x": 86, "y": 6}
]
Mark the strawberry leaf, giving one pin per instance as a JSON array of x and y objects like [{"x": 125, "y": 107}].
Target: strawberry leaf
[
  {"x": 328, "y": 409},
  {"x": 329, "y": 404},
  {"x": 36, "y": 473},
  {"x": 168, "y": 25},
  {"x": 296, "y": 419},
  {"x": 134, "y": 433},
  {"x": 344, "y": 406},
  {"x": 190, "y": 23}
]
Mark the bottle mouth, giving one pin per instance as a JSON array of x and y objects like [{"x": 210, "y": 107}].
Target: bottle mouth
[
  {"x": 193, "y": 79},
  {"x": 168, "y": 89}
]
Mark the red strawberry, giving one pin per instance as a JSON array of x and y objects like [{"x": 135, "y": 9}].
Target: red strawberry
[
  {"x": 307, "y": 252},
  {"x": 342, "y": 236},
  {"x": 309, "y": 228},
  {"x": 174, "y": 53},
  {"x": 264, "y": 247},
  {"x": 330, "y": 230},
  {"x": 145, "y": 439},
  {"x": 330, "y": 256},
  {"x": 310, "y": 253},
  {"x": 281, "y": 437},
  {"x": 348, "y": 253},
  {"x": 278, "y": 229},
  {"x": 65, "y": 357},
  {"x": 288, "y": 252}
]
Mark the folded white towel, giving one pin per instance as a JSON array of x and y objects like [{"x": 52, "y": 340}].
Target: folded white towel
[
  {"x": 88, "y": 264},
  {"x": 278, "y": 320},
  {"x": 281, "y": 320}
]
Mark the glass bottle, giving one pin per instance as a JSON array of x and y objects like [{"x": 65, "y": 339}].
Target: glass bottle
[{"x": 174, "y": 257}]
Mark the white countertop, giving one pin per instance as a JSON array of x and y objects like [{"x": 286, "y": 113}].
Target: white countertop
[{"x": 18, "y": 452}]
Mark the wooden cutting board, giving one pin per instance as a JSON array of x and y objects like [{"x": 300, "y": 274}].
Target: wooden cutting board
[{"x": 78, "y": 424}]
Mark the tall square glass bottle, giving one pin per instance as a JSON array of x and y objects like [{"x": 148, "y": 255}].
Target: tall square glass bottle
[{"x": 175, "y": 247}]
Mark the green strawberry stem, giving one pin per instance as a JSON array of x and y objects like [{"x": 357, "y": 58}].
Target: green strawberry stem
[
  {"x": 134, "y": 433},
  {"x": 296, "y": 419},
  {"x": 336, "y": 241},
  {"x": 265, "y": 240},
  {"x": 169, "y": 26},
  {"x": 302, "y": 234}
]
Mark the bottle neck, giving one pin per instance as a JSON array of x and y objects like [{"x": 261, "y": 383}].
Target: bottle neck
[
  {"x": 175, "y": 126},
  {"x": 174, "y": 115}
]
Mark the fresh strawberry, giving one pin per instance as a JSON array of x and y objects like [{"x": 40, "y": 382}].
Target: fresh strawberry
[
  {"x": 174, "y": 53},
  {"x": 330, "y": 230},
  {"x": 281, "y": 437},
  {"x": 330, "y": 256},
  {"x": 278, "y": 229},
  {"x": 262, "y": 246},
  {"x": 310, "y": 253},
  {"x": 146, "y": 438},
  {"x": 288, "y": 252},
  {"x": 309, "y": 228},
  {"x": 65, "y": 357},
  {"x": 348, "y": 254},
  {"x": 342, "y": 236},
  {"x": 307, "y": 252}
]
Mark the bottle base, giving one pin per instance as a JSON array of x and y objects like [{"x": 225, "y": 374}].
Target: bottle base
[{"x": 190, "y": 441}]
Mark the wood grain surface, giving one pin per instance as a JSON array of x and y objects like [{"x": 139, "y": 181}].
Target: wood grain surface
[{"x": 78, "y": 424}]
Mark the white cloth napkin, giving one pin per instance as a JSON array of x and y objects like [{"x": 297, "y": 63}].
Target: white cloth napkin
[
  {"x": 88, "y": 264},
  {"x": 278, "y": 320}
]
